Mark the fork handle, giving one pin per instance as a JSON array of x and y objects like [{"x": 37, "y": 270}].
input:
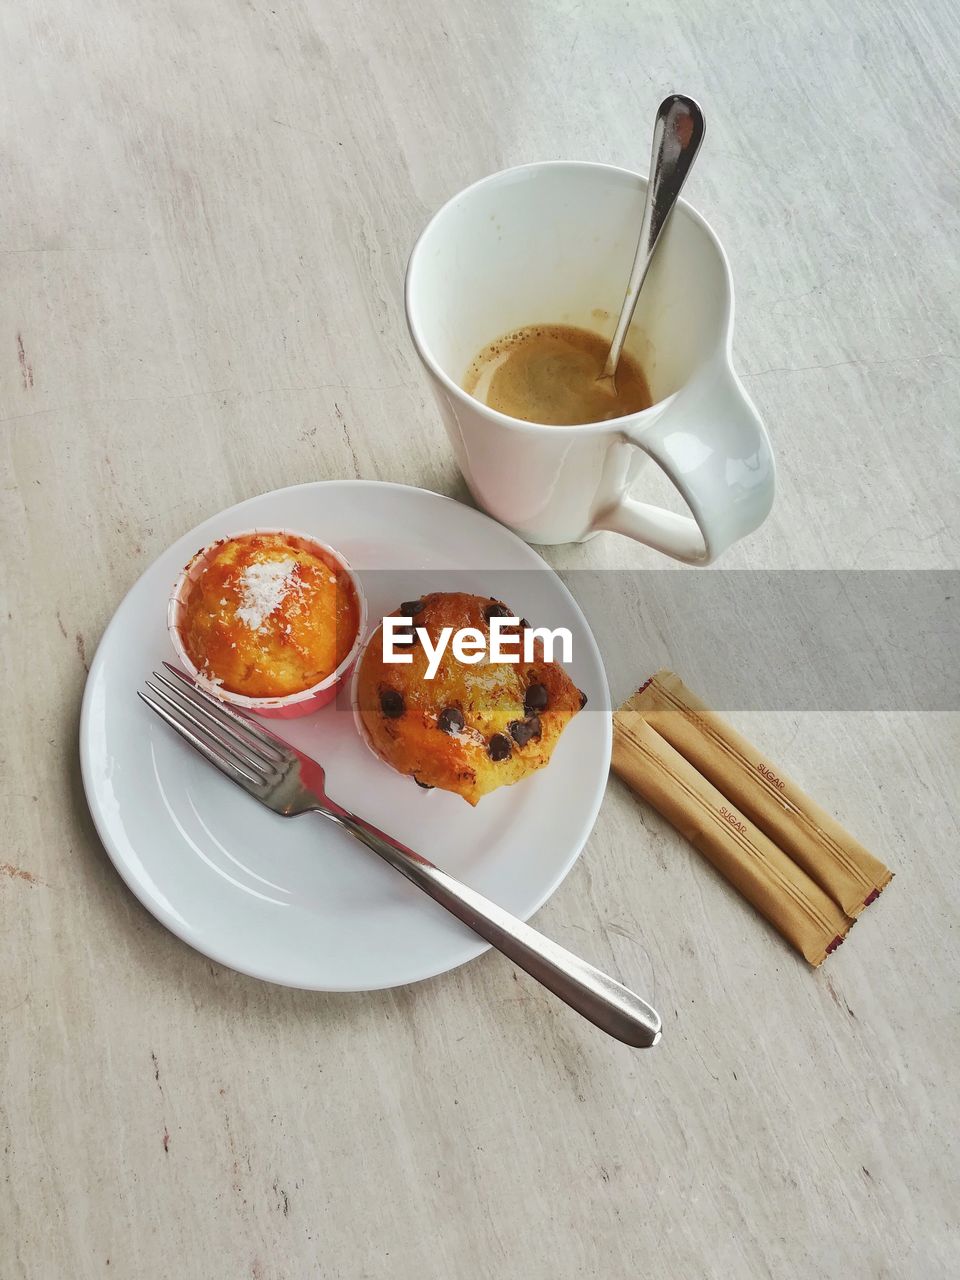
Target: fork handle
[{"x": 596, "y": 996}]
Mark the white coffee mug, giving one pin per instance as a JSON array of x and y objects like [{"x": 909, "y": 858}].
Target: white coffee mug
[{"x": 554, "y": 243}]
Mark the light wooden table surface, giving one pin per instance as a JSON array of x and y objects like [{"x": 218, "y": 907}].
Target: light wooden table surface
[{"x": 206, "y": 211}]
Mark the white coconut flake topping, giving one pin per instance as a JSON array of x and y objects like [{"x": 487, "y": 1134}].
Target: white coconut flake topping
[
  {"x": 263, "y": 588},
  {"x": 207, "y": 676}
]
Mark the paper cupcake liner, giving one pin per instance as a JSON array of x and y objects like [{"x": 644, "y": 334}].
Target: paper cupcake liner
[{"x": 355, "y": 702}]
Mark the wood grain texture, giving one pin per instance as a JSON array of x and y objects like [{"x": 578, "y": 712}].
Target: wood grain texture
[{"x": 206, "y": 211}]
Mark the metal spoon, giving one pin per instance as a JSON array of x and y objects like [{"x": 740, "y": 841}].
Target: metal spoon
[{"x": 677, "y": 135}]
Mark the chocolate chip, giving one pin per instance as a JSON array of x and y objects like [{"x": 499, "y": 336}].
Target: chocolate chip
[
  {"x": 427, "y": 786},
  {"x": 498, "y": 748},
  {"x": 522, "y": 731},
  {"x": 410, "y": 608},
  {"x": 450, "y": 720},
  {"x": 497, "y": 611},
  {"x": 524, "y": 624},
  {"x": 536, "y": 698},
  {"x": 391, "y": 704},
  {"x": 583, "y": 699}
]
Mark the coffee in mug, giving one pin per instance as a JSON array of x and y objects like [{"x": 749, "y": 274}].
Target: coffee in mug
[{"x": 548, "y": 373}]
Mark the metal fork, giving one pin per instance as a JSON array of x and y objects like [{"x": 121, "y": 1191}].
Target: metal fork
[{"x": 291, "y": 783}]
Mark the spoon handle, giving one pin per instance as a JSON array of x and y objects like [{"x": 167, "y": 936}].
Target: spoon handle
[{"x": 677, "y": 135}]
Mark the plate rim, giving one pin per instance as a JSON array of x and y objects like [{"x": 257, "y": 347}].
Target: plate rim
[{"x": 196, "y": 941}]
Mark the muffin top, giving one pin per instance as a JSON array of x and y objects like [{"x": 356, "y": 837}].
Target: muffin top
[
  {"x": 268, "y": 614},
  {"x": 471, "y": 728}
]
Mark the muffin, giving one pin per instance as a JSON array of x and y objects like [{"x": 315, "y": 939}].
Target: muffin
[
  {"x": 469, "y": 729},
  {"x": 266, "y": 615}
]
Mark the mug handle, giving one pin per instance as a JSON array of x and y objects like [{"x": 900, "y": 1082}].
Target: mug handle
[{"x": 714, "y": 449}]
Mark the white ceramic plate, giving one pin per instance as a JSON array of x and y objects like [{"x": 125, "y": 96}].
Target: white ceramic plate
[{"x": 296, "y": 901}]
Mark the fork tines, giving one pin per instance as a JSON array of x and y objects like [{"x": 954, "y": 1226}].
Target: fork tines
[{"x": 239, "y": 748}]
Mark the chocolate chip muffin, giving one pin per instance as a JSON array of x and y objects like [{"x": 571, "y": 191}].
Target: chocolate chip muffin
[{"x": 471, "y": 728}]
